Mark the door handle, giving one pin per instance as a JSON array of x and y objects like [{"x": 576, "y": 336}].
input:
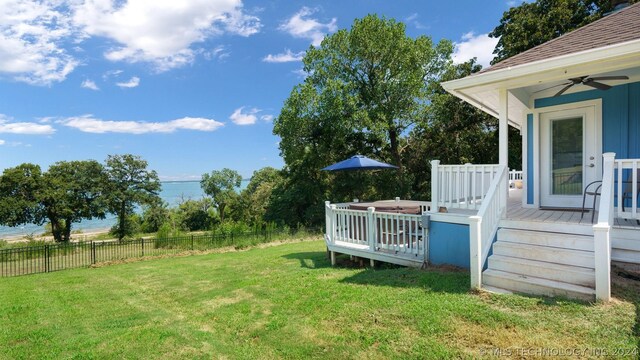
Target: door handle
[{"x": 592, "y": 165}]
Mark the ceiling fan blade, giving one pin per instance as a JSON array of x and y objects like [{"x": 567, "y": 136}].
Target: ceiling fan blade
[
  {"x": 551, "y": 87},
  {"x": 597, "y": 85},
  {"x": 563, "y": 90},
  {"x": 621, "y": 77}
]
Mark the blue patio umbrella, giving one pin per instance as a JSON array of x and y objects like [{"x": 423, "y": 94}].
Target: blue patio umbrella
[{"x": 359, "y": 162}]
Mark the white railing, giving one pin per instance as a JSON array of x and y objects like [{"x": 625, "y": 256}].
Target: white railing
[
  {"x": 395, "y": 234},
  {"x": 602, "y": 230},
  {"x": 484, "y": 226},
  {"x": 515, "y": 175},
  {"x": 628, "y": 184},
  {"x": 460, "y": 186}
]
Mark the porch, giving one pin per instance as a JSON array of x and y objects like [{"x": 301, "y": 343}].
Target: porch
[{"x": 477, "y": 220}]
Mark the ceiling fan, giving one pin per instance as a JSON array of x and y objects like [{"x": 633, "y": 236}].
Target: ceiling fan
[{"x": 586, "y": 80}]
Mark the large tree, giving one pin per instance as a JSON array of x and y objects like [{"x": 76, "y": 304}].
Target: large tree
[
  {"x": 130, "y": 184},
  {"x": 221, "y": 185},
  {"x": 365, "y": 88},
  {"x": 69, "y": 192},
  {"x": 533, "y": 23}
]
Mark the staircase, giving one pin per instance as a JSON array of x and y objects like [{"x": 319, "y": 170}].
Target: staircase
[{"x": 542, "y": 263}]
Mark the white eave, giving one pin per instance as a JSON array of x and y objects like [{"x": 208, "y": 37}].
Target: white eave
[{"x": 481, "y": 90}]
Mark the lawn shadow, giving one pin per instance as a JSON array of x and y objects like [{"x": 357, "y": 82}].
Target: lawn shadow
[
  {"x": 626, "y": 286},
  {"x": 310, "y": 259},
  {"x": 431, "y": 279}
]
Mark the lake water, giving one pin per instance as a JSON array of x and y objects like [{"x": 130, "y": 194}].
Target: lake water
[{"x": 173, "y": 192}]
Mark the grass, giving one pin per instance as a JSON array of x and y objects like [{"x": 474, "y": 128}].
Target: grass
[{"x": 286, "y": 301}]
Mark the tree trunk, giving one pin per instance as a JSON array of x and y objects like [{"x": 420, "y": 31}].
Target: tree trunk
[
  {"x": 221, "y": 207},
  {"x": 55, "y": 229},
  {"x": 67, "y": 230},
  {"x": 121, "y": 221}
]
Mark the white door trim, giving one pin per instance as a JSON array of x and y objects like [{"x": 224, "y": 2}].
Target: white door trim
[{"x": 596, "y": 104}]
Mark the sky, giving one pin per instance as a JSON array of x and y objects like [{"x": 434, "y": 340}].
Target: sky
[{"x": 191, "y": 86}]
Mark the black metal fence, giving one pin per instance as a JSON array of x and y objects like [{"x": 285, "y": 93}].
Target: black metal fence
[{"x": 61, "y": 256}]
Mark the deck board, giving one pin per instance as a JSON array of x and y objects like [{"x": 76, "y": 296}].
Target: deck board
[{"x": 515, "y": 211}]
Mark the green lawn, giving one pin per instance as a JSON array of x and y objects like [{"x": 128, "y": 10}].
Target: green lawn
[{"x": 287, "y": 302}]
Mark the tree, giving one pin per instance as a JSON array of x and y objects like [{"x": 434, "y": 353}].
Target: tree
[
  {"x": 221, "y": 185},
  {"x": 256, "y": 198},
  {"x": 19, "y": 204},
  {"x": 67, "y": 193},
  {"x": 531, "y": 24},
  {"x": 365, "y": 88},
  {"x": 130, "y": 184},
  {"x": 72, "y": 191}
]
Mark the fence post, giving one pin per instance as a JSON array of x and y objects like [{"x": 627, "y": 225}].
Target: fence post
[
  {"x": 142, "y": 246},
  {"x": 475, "y": 247},
  {"x": 192, "y": 243},
  {"x": 371, "y": 228},
  {"x": 93, "y": 253},
  {"x": 46, "y": 258},
  {"x": 435, "y": 177}
]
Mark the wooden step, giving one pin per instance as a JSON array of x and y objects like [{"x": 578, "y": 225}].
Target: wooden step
[
  {"x": 544, "y": 270},
  {"x": 544, "y": 253},
  {"x": 535, "y": 286},
  {"x": 564, "y": 241},
  {"x": 557, "y": 227}
]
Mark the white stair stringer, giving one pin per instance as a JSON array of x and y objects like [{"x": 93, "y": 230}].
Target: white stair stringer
[{"x": 541, "y": 263}]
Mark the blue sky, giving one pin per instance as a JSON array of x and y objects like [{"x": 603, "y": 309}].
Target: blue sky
[{"x": 191, "y": 86}]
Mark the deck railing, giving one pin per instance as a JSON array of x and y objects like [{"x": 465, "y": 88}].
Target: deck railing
[
  {"x": 392, "y": 233},
  {"x": 627, "y": 188},
  {"x": 484, "y": 226},
  {"x": 602, "y": 230},
  {"x": 460, "y": 186}
]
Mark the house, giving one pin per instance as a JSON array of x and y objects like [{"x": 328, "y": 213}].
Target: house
[{"x": 576, "y": 101}]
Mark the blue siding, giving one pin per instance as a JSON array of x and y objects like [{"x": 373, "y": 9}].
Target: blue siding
[
  {"x": 620, "y": 116},
  {"x": 620, "y": 123},
  {"x": 449, "y": 244},
  {"x": 530, "y": 167}
]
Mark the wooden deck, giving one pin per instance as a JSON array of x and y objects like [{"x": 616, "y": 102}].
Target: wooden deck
[{"x": 516, "y": 212}]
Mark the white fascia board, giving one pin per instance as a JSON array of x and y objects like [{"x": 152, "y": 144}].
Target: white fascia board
[{"x": 595, "y": 56}]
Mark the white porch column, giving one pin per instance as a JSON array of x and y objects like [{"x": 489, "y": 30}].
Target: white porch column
[
  {"x": 503, "y": 126},
  {"x": 503, "y": 137},
  {"x": 435, "y": 185}
]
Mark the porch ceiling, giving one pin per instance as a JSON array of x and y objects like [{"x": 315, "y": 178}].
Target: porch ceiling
[{"x": 527, "y": 82}]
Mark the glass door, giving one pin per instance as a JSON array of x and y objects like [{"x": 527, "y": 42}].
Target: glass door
[{"x": 569, "y": 156}]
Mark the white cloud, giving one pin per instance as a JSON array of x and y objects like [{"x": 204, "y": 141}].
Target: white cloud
[
  {"x": 24, "y": 128},
  {"x": 300, "y": 25},
  {"x": 241, "y": 117},
  {"x": 162, "y": 32},
  {"x": 88, "y": 123},
  {"x": 111, "y": 73},
  {"x": 89, "y": 84},
  {"x": 287, "y": 56},
  {"x": 220, "y": 52},
  {"x": 266, "y": 118},
  {"x": 2, "y": 142},
  {"x": 471, "y": 45},
  {"x": 31, "y": 37},
  {"x": 133, "y": 82},
  {"x": 413, "y": 20}
]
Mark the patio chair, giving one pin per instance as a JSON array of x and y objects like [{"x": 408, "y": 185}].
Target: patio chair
[{"x": 595, "y": 192}]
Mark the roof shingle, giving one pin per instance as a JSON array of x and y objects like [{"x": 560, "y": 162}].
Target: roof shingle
[{"x": 615, "y": 28}]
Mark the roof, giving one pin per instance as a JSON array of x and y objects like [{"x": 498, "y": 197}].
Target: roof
[{"x": 615, "y": 28}]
